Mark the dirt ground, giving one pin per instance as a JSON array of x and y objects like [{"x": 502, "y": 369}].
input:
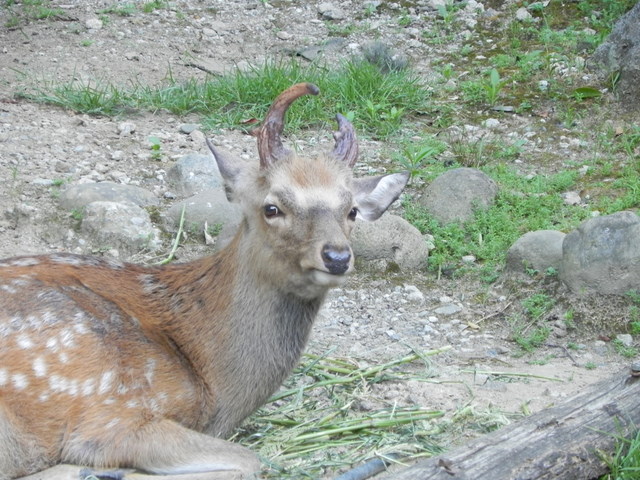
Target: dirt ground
[{"x": 373, "y": 318}]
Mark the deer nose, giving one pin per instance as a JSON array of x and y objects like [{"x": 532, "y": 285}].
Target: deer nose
[{"x": 336, "y": 259}]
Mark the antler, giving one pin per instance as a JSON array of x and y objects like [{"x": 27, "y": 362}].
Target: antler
[
  {"x": 270, "y": 147},
  {"x": 346, "y": 148}
]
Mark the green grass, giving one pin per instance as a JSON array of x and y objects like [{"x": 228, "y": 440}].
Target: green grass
[
  {"x": 624, "y": 464},
  {"x": 378, "y": 103},
  {"x": 29, "y": 10},
  {"x": 535, "y": 202}
]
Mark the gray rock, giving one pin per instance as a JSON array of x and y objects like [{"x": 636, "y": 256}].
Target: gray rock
[
  {"x": 188, "y": 128},
  {"x": 211, "y": 206},
  {"x": 603, "y": 255},
  {"x": 450, "y": 309},
  {"x": 78, "y": 196},
  {"x": 331, "y": 11},
  {"x": 453, "y": 196},
  {"x": 620, "y": 53},
  {"x": 126, "y": 227},
  {"x": 625, "y": 339},
  {"x": 389, "y": 240},
  {"x": 193, "y": 174},
  {"x": 539, "y": 250}
]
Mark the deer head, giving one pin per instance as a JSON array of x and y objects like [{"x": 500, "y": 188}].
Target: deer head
[{"x": 299, "y": 211}]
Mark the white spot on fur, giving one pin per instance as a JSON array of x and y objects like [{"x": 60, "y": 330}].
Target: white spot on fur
[
  {"x": 24, "y": 342},
  {"x": 63, "y": 357},
  {"x": 66, "y": 338},
  {"x": 19, "y": 381},
  {"x": 112, "y": 423},
  {"x": 40, "y": 367},
  {"x": 57, "y": 383},
  {"x": 132, "y": 404},
  {"x": 4, "y": 377},
  {"x": 149, "y": 370},
  {"x": 49, "y": 318},
  {"x": 80, "y": 328},
  {"x": 105, "y": 382},
  {"x": 8, "y": 289},
  {"x": 53, "y": 345},
  {"x": 44, "y": 397},
  {"x": 88, "y": 387},
  {"x": 24, "y": 262},
  {"x": 122, "y": 389}
]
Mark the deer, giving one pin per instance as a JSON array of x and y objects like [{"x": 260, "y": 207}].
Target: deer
[{"x": 107, "y": 364}]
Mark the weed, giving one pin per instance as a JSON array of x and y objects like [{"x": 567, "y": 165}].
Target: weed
[
  {"x": 149, "y": 7},
  {"x": 415, "y": 157},
  {"x": 121, "y": 9},
  {"x": 624, "y": 350},
  {"x": 625, "y": 462},
  {"x": 538, "y": 305},
  {"x": 493, "y": 85},
  {"x": 590, "y": 366}
]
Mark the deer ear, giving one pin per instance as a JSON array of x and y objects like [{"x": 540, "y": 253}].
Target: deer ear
[
  {"x": 375, "y": 194},
  {"x": 229, "y": 167}
]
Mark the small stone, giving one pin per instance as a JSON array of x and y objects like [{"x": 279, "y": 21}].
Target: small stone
[
  {"x": 93, "y": 24},
  {"x": 522, "y": 15},
  {"x": 45, "y": 182},
  {"x": 117, "y": 155},
  {"x": 188, "y": 128},
  {"x": 468, "y": 259},
  {"x": 126, "y": 128},
  {"x": 572, "y": 198},
  {"x": 282, "y": 35},
  {"x": 625, "y": 339},
  {"x": 491, "y": 123},
  {"x": 414, "y": 295},
  {"x": 450, "y": 309}
]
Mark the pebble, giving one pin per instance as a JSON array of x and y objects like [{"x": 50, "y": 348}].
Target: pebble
[
  {"x": 93, "y": 24},
  {"x": 126, "y": 128},
  {"x": 625, "y": 339},
  {"x": 450, "y": 309},
  {"x": 188, "y": 128}
]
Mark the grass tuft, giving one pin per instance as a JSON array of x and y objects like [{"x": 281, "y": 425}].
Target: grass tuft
[{"x": 378, "y": 103}]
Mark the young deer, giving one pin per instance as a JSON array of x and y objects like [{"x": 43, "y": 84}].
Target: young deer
[{"x": 106, "y": 364}]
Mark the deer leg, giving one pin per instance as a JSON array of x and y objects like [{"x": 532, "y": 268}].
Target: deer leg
[
  {"x": 72, "y": 472},
  {"x": 162, "y": 447}
]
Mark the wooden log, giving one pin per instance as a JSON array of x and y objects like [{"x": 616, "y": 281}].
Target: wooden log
[{"x": 560, "y": 442}]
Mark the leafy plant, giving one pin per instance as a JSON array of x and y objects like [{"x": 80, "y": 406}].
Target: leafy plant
[{"x": 493, "y": 86}]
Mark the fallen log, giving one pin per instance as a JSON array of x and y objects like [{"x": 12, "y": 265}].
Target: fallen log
[{"x": 564, "y": 441}]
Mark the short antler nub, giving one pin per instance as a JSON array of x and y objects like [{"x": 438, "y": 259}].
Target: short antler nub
[
  {"x": 346, "y": 148},
  {"x": 270, "y": 146}
]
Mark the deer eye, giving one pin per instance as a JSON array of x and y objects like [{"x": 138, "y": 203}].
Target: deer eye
[
  {"x": 353, "y": 213},
  {"x": 271, "y": 211}
]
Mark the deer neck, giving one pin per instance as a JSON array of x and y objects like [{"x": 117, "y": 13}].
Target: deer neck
[{"x": 254, "y": 330}]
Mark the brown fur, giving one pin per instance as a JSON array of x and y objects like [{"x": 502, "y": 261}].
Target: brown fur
[{"x": 118, "y": 365}]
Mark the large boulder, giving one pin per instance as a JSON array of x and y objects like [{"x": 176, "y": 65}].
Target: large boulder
[
  {"x": 619, "y": 55},
  {"x": 390, "y": 240},
  {"x": 123, "y": 226},
  {"x": 540, "y": 250},
  {"x": 210, "y": 206},
  {"x": 454, "y": 195},
  {"x": 194, "y": 173},
  {"x": 603, "y": 255},
  {"x": 76, "y": 197}
]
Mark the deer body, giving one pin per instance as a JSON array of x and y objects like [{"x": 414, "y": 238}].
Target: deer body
[{"x": 107, "y": 364}]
